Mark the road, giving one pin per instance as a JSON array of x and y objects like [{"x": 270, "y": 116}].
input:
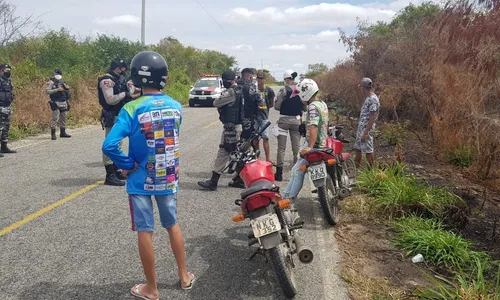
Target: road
[{"x": 77, "y": 242}]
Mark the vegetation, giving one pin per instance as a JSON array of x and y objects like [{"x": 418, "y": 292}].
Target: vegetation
[
  {"x": 437, "y": 67},
  {"x": 34, "y": 57}
]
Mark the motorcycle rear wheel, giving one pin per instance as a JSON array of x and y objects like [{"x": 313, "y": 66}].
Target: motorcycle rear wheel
[
  {"x": 283, "y": 269},
  {"x": 329, "y": 201}
]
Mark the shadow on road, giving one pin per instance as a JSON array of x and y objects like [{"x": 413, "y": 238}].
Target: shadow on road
[
  {"x": 230, "y": 275},
  {"x": 97, "y": 164},
  {"x": 72, "y": 182}
]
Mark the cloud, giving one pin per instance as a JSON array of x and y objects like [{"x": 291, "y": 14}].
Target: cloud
[
  {"x": 123, "y": 20},
  {"x": 242, "y": 47},
  {"x": 323, "y": 14},
  {"x": 286, "y": 47},
  {"x": 298, "y": 65}
]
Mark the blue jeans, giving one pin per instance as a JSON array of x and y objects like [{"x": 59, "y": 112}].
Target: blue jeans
[{"x": 296, "y": 182}]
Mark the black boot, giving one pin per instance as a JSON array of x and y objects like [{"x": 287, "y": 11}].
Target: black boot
[
  {"x": 53, "y": 134},
  {"x": 64, "y": 134},
  {"x": 278, "y": 176},
  {"x": 237, "y": 183},
  {"x": 118, "y": 173},
  {"x": 210, "y": 184},
  {"x": 1, "y": 155},
  {"x": 111, "y": 178},
  {"x": 5, "y": 149}
]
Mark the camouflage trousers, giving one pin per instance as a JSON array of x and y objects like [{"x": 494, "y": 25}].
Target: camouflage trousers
[
  {"x": 5, "y": 116},
  {"x": 59, "y": 115},
  {"x": 223, "y": 156}
]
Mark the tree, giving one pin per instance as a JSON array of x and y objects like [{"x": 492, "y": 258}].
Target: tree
[
  {"x": 14, "y": 27},
  {"x": 316, "y": 69}
]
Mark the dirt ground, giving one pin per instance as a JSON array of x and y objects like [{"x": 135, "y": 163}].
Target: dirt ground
[{"x": 377, "y": 270}]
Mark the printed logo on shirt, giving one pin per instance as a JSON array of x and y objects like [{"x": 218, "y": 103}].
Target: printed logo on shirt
[
  {"x": 155, "y": 115},
  {"x": 150, "y": 180},
  {"x": 177, "y": 169},
  {"x": 151, "y": 143},
  {"x": 160, "y": 173},
  {"x": 162, "y": 180},
  {"x": 157, "y": 125},
  {"x": 150, "y": 166},
  {"x": 169, "y": 133},
  {"x": 144, "y": 118},
  {"x": 176, "y": 148},
  {"x": 167, "y": 114},
  {"x": 160, "y": 150},
  {"x": 171, "y": 185},
  {"x": 160, "y": 143},
  {"x": 170, "y": 148},
  {"x": 161, "y": 165},
  {"x": 176, "y": 155},
  {"x": 176, "y": 161},
  {"x": 151, "y": 158},
  {"x": 169, "y": 124},
  {"x": 176, "y": 132},
  {"x": 149, "y": 187},
  {"x": 170, "y": 178},
  {"x": 170, "y": 156},
  {"x": 158, "y": 102},
  {"x": 170, "y": 170},
  {"x": 170, "y": 141},
  {"x": 148, "y": 127},
  {"x": 171, "y": 163},
  {"x": 159, "y": 134},
  {"x": 151, "y": 173},
  {"x": 160, "y": 157},
  {"x": 161, "y": 187},
  {"x": 150, "y": 136},
  {"x": 177, "y": 114}
]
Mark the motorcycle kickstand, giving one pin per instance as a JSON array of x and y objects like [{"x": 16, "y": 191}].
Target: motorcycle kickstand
[{"x": 258, "y": 251}]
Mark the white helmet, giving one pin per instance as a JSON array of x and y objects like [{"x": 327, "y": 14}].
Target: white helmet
[
  {"x": 306, "y": 88},
  {"x": 289, "y": 74}
]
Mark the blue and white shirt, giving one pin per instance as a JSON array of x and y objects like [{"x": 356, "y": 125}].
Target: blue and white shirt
[{"x": 151, "y": 122}]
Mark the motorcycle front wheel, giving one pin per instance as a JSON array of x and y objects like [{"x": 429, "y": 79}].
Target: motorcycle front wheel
[
  {"x": 329, "y": 201},
  {"x": 283, "y": 269}
]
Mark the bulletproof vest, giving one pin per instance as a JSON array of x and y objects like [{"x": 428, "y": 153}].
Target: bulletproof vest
[
  {"x": 116, "y": 90},
  {"x": 291, "y": 106},
  {"x": 58, "y": 96},
  {"x": 5, "y": 91},
  {"x": 233, "y": 113},
  {"x": 251, "y": 104}
]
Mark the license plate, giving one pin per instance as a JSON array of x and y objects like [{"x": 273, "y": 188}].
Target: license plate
[
  {"x": 265, "y": 225},
  {"x": 317, "y": 172}
]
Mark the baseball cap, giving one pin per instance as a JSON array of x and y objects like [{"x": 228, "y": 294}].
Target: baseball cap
[
  {"x": 228, "y": 75},
  {"x": 261, "y": 75},
  {"x": 366, "y": 82},
  {"x": 289, "y": 74}
]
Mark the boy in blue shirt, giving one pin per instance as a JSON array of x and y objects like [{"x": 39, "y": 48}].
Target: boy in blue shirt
[{"x": 151, "y": 122}]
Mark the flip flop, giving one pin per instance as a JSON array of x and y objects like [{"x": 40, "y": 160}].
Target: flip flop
[
  {"x": 190, "y": 285},
  {"x": 138, "y": 295}
]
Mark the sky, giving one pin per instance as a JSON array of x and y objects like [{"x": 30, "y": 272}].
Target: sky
[{"x": 277, "y": 34}]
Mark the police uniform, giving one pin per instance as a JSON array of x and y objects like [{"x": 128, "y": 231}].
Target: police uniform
[
  {"x": 111, "y": 98},
  {"x": 231, "y": 113},
  {"x": 58, "y": 104},
  {"x": 6, "y": 98}
]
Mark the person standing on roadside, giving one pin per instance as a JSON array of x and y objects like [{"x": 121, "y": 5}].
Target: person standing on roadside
[
  {"x": 290, "y": 109},
  {"x": 366, "y": 124},
  {"x": 112, "y": 97},
  {"x": 6, "y": 98},
  {"x": 262, "y": 113},
  {"x": 58, "y": 91},
  {"x": 152, "y": 124}
]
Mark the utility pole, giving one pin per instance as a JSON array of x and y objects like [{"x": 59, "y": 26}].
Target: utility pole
[
  {"x": 143, "y": 23},
  {"x": 261, "y": 64}
]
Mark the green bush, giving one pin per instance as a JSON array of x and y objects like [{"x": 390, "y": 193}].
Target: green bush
[
  {"x": 461, "y": 156},
  {"x": 394, "y": 134}
]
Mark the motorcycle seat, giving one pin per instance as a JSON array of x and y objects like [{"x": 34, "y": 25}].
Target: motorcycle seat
[{"x": 260, "y": 185}]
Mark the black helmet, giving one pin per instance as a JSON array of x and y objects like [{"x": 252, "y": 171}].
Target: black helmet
[
  {"x": 149, "y": 69},
  {"x": 58, "y": 71},
  {"x": 117, "y": 63}
]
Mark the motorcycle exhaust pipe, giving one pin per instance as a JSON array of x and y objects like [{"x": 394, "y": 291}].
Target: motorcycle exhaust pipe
[{"x": 305, "y": 254}]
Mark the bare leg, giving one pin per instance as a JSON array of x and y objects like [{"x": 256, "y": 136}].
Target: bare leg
[
  {"x": 267, "y": 149},
  {"x": 177, "y": 244},
  {"x": 256, "y": 144},
  {"x": 357, "y": 159},
  {"x": 370, "y": 157},
  {"x": 147, "y": 254}
]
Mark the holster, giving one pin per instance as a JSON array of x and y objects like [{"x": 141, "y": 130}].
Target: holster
[
  {"x": 53, "y": 106},
  {"x": 107, "y": 119}
]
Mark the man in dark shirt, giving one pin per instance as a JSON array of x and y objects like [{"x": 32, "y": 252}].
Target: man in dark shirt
[{"x": 262, "y": 111}]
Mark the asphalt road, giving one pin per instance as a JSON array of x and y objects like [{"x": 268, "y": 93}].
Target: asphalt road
[{"x": 85, "y": 249}]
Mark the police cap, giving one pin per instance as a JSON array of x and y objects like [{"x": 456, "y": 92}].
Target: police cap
[
  {"x": 117, "y": 63},
  {"x": 228, "y": 75}
]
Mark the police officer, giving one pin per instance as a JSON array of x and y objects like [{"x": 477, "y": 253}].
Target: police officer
[
  {"x": 231, "y": 113},
  {"x": 58, "y": 91},
  {"x": 112, "y": 97},
  {"x": 6, "y": 98},
  {"x": 252, "y": 99}
]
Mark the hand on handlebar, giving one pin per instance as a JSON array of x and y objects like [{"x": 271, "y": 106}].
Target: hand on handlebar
[{"x": 304, "y": 151}]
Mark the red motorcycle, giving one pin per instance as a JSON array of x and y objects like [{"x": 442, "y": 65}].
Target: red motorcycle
[
  {"x": 274, "y": 223},
  {"x": 332, "y": 172}
]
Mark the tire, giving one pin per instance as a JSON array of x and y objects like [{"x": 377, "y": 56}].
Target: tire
[
  {"x": 329, "y": 201},
  {"x": 191, "y": 104},
  {"x": 350, "y": 168},
  {"x": 283, "y": 270}
]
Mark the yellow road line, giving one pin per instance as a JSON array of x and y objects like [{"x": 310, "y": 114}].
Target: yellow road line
[
  {"x": 211, "y": 124},
  {"x": 46, "y": 209}
]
